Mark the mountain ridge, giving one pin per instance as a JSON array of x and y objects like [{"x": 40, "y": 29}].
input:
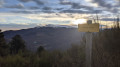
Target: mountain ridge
[{"x": 51, "y": 38}]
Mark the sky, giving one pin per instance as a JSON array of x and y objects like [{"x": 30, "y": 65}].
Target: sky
[{"x": 22, "y": 14}]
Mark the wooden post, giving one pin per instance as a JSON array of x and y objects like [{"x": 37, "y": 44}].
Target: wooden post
[
  {"x": 88, "y": 28},
  {"x": 88, "y": 46}
]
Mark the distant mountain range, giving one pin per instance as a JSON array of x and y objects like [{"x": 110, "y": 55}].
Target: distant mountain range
[{"x": 50, "y": 37}]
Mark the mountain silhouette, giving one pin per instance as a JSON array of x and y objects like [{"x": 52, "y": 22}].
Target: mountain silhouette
[{"x": 52, "y": 38}]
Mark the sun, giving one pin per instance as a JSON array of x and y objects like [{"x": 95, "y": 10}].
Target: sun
[{"x": 79, "y": 21}]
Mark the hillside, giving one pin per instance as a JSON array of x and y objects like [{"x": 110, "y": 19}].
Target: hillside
[{"x": 51, "y": 38}]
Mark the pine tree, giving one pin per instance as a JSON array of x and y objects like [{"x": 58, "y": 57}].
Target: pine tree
[
  {"x": 3, "y": 45},
  {"x": 17, "y": 44}
]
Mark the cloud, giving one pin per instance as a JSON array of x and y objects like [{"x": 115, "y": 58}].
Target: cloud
[
  {"x": 58, "y": 8},
  {"x": 47, "y": 8},
  {"x": 25, "y": 0},
  {"x": 75, "y": 5},
  {"x": 23, "y": 11},
  {"x": 19, "y": 6},
  {"x": 34, "y": 7},
  {"x": 115, "y": 10},
  {"x": 102, "y": 3},
  {"x": 32, "y": 11},
  {"x": 111, "y": 5},
  {"x": 1, "y": 3},
  {"x": 72, "y": 11},
  {"x": 65, "y": 2},
  {"x": 39, "y": 2},
  {"x": 108, "y": 19},
  {"x": 48, "y": 11},
  {"x": 81, "y": 11}
]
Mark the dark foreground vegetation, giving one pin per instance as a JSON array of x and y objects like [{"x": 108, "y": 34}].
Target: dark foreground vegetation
[
  {"x": 106, "y": 52},
  {"x": 106, "y": 48}
]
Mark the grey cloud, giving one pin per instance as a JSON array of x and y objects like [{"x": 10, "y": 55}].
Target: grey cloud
[
  {"x": 34, "y": 7},
  {"x": 26, "y": 12},
  {"x": 25, "y": 0},
  {"x": 58, "y": 8},
  {"x": 48, "y": 11},
  {"x": 33, "y": 12},
  {"x": 110, "y": 7},
  {"x": 19, "y": 6},
  {"x": 73, "y": 11},
  {"x": 115, "y": 10},
  {"x": 65, "y": 3},
  {"x": 75, "y": 5},
  {"x": 70, "y": 15},
  {"x": 107, "y": 19},
  {"x": 102, "y": 3},
  {"x": 81, "y": 11},
  {"x": 39, "y": 2},
  {"x": 47, "y": 8},
  {"x": 118, "y": 4},
  {"x": 97, "y": 11},
  {"x": 1, "y": 3}
]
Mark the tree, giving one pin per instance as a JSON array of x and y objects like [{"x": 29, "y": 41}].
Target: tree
[
  {"x": 17, "y": 44},
  {"x": 3, "y": 45},
  {"x": 118, "y": 22},
  {"x": 40, "y": 49}
]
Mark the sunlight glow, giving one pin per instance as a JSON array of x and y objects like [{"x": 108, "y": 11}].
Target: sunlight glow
[{"x": 79, "y": 21}]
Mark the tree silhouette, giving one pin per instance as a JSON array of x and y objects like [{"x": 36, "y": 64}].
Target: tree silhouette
[
  {"x": 40, "y": 49},
  {"x": 118, "y": 22},
  {"x": 17, "y": 44},
  {"x": 3, "y": 45}
]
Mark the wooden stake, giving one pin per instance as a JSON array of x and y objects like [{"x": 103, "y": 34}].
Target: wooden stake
[{"x": 88, "y": 47}]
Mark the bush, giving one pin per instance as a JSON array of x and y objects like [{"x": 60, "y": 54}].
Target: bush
[{"x": 106, "y": 48}]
